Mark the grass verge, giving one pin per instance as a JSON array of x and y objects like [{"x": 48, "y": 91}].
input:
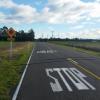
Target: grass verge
[
  {"x": 12, "y": 68},
  {"x": 89, "y": 51}
]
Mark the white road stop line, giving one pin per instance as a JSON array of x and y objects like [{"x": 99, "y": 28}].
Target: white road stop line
[
  {"x": 73, "y": 74},
  {"x": 46, "y": 51}
]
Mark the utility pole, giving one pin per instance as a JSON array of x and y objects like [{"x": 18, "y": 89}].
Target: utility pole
[
  {"x": 52, "y": 34},
  {"x": 42, "y": 35}
]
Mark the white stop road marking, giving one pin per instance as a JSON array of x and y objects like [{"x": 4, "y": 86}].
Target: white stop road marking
[{"x": 75, "y": 76}]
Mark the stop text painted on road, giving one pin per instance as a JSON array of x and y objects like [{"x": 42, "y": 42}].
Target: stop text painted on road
[{"x": 74, "y": 75}]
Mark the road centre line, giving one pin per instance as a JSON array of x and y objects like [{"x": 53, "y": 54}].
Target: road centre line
[{"x": 86, "y": 70}]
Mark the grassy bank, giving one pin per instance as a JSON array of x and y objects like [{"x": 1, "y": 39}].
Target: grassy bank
[
  {"x": 87, "y": 47},
  {"x": 12, "y": 68}
]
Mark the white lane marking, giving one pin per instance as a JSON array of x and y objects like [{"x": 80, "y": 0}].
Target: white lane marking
[
  {"x": 46, "y": 51},
  {"x": 55, "y": 86},
  {"x": 52, "y": 50},
  {"x": 79, "y": 74},
  {"x": 75, "y": 76},
  {"x": 79, "y": 84},
  {"x": 41, "y": 51},
  {"x": 21, "y": 80}
]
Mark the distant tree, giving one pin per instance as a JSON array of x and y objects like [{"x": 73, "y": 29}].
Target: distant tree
[
  {"x": 5, "y": 28},
  {"x": 31, "y": 35},
  {"x": 1, "y": 34},
  {"x": 4, "y": 33},
  {"x": 19, "y": 36}
]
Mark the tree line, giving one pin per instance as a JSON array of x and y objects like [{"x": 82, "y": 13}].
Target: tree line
[
  {"x": 67, "y": 39},
  {"x": 19, "y": 35}
]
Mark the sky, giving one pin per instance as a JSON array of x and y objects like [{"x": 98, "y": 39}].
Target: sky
[{"x": 63, "y": 18}]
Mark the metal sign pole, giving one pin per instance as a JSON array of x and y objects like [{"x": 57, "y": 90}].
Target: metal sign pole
[
  {"x": 11, "y": 32},
  {"x": 11, "y": 49}
]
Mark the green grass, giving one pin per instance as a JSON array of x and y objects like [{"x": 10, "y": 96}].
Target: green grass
[
  {"x": 79, "y": 46},
  {"x": 79, "y": 43},
  {"x": 4, "y": 44},
  {"x": 11, "y": 69}
]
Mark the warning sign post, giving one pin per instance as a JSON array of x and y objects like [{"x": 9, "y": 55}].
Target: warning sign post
[{"x": 11, "y": 33}]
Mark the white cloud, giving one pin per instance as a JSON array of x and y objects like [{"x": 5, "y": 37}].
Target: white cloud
[
  {"x": 19, "y": 13},
  {"x": 72, "y": 11},
  {"x": 56, "y": 11},
  {"x": 7, "y": 3},
  {"x": 27, "y": 13},
  {"x": 86, "y": 34}
]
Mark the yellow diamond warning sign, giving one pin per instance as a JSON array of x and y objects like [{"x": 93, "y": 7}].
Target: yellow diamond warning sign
[{"x": 11, "y": 32}]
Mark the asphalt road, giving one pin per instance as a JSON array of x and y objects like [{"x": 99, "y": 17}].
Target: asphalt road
[{"x": 59, "y": 73}]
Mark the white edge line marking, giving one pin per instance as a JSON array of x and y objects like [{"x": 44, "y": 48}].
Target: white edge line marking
[{"x": 21, "y": 80}]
